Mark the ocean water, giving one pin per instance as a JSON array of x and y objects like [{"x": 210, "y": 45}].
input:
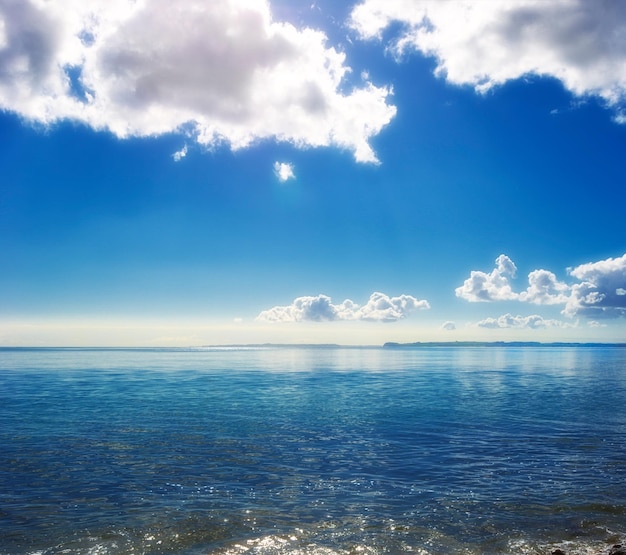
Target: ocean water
[{"x": 237, "y": 451}]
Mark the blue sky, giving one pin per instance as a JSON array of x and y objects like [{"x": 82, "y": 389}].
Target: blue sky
[{"x": 350, "y": 172}]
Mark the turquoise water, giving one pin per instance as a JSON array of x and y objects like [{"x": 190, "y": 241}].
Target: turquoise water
[{"x": 312, "y": 450}]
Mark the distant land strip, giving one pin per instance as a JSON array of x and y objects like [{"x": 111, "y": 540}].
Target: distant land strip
[{"x": 417, "y": 344}]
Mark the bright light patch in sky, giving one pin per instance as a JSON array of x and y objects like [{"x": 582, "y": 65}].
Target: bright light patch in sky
[{"x": 459, "y": 171}]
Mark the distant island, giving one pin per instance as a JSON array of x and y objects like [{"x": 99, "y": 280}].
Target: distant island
[{"x": 417, "y": 344}]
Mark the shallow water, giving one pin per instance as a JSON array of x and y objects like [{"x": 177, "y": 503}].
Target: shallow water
[{"x": 312, "y": 450}]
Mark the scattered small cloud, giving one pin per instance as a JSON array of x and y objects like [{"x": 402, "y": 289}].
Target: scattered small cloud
[
  {"x": 573, "y": 105},
  {"x": 179, "y": 155},
  {"x": 485, "y": 44},
  {"x": 379, "y": 308},
  {"x": 284, "y": 171},
  {"x": 448, "y": 326}
]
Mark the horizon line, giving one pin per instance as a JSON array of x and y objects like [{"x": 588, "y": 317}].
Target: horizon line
[{"x": 386, "y": 345}]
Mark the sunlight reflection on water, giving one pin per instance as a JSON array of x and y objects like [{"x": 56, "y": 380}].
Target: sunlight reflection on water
[{"x": 287, "y": 450}]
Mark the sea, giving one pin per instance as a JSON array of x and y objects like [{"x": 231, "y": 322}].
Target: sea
[{"x": 277, "y": 450}]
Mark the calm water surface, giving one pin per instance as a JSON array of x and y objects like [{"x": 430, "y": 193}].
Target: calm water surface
[{"x": 312, "y": 451}]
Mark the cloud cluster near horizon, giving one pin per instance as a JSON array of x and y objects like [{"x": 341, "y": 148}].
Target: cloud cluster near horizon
[
  {"x": 534, "y": 321},
  {"x": 485, "y": 44},
  {"x": 598, "y": 293},
  {"x": 234, "y": 75},
  {"x": 379, "y": 308}
]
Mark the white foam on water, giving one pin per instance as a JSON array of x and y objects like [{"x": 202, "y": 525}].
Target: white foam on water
[{"x": 281, "y": 545}]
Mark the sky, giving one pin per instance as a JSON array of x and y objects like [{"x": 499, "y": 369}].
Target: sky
[{"x": 355, "y": 172}]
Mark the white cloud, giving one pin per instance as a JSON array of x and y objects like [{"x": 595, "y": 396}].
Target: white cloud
[
  {"x": 448, "y": 326},
  {"x": 379, "y": 308},
  {"x": 600, "y": 291},
  {"x": 495, "y": 286},
  {"x": 484, "y": 44},
  {"x": 544, "y": 288},
  {"x": 382, "y": 308},
  {"x": 316, "y": 309},
  {"x": 284, "y": 171},
  {"x": 521, "y": 322},
  {"x": 220, "y": 71},
  {"x": 180, "y": 154}
]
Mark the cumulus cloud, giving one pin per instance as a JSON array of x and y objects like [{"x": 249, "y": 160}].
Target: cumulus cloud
[
  {"x": 494, "y": 286},
  {"x": 484, "y": 44},
  {"x": 544, "y": 288},
  {"x": 379, "y": 308},
  {"x": 521, "y": 322},
  {"x": 600, "y": 291},
  {"x": 284, "y": 171},
  {"x": 222, "y": 72},
  {"x": 382, "y": 308}
]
